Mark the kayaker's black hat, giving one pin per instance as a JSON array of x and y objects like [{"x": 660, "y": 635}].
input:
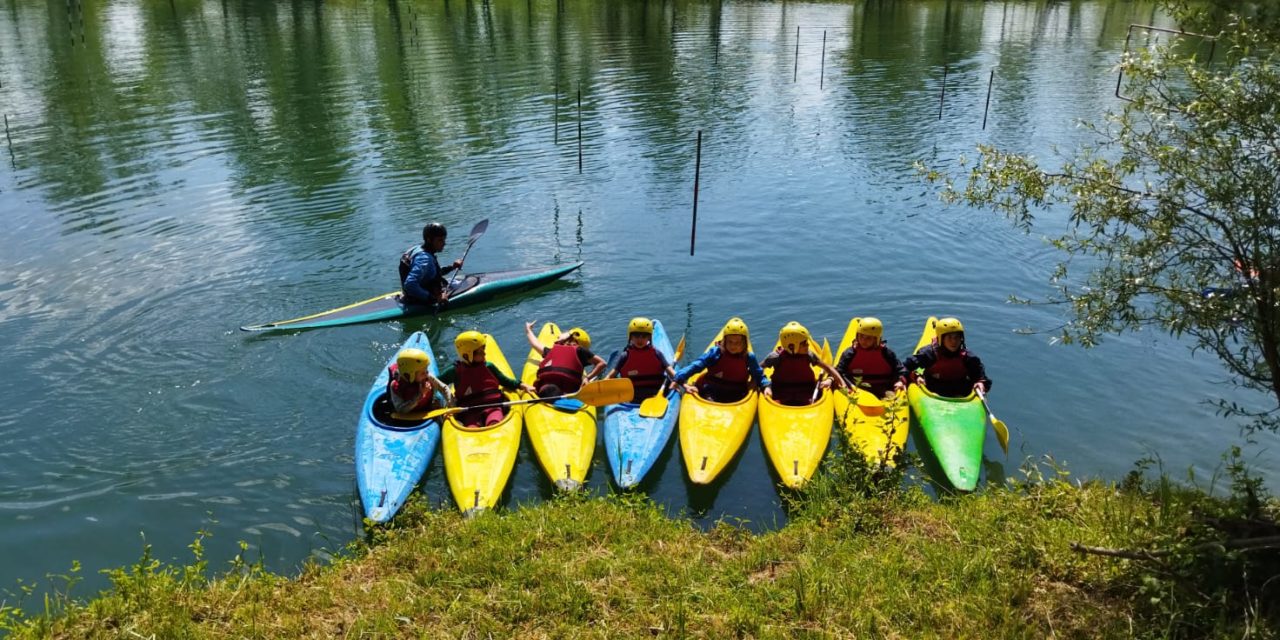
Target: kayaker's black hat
[{"x": 434, "y": 230}]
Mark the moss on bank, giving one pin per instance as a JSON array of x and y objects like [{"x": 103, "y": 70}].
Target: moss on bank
[{"x": 860, "y": 558}]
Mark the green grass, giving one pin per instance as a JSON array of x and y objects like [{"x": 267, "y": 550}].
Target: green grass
[{"x": 862, "y": 557}]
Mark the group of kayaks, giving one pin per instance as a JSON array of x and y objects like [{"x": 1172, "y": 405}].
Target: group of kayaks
[{"x": 391, "y": 455}]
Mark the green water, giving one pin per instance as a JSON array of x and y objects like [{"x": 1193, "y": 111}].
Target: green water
[{"x": 173, "y": 170}]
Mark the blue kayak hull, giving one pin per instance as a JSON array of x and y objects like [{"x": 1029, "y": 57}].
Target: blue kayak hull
[
  {"x": 633, "y": 442},
  {"x": 391, "y": 459}
]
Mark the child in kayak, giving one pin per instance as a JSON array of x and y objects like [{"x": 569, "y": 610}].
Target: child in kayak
[
  {"x": 564, "y": 363},
  {"x": 793, "y": 383},
  {"x": 412, "y": 388},
  {"x": 478, "y": 382},
  {"x": 947, "y": 367},
  {"x": 421, "y": 276},
  {"x": 731, "y": 368},
  {"x": 643, "y": 364},
  {"x": 870, "y": 364}
]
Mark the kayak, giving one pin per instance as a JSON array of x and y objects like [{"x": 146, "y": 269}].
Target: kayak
[
  {"x": 711, "y": 433},
  {"x": 796, "y": 438},
  {"x": 633, "y": 442},
  {"x": 563, "y": 439},
  {"x": 953, "y": 428},
  {"x": 877, "y": 427},
  {"x": 391, "y": 454},
  {"x": 469, "y": 290},
  {"x": 478, "y": 462}
]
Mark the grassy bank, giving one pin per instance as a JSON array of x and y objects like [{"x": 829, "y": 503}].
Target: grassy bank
[{"x": 862, "y": 557}]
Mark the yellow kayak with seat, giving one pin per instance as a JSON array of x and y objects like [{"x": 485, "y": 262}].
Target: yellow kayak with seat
[
  {"x": 563, "y": 438},
  {"x": 796, "y": 438},
  {"x": 711, "y": 433},
  {"x": 877, "y": 427},
  {"x": 478, "y": 461}
]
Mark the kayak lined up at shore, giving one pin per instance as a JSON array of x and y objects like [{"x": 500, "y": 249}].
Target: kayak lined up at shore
[{"x": 796, "y": 397}]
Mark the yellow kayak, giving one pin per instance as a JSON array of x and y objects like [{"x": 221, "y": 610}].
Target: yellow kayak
[
  {"x": 796, "y": 438},
  {"x": 712, "y": 432},
  {"x": 563, "y": 440},
  {"x": 478, "y": 462},
  {"x": 874, "y": 426}
]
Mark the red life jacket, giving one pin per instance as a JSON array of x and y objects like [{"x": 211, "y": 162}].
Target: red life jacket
[
  {"x": 408, "y": 390},
  {"x": 728, "y": 374},
  {"x": 793, "y": 379},
  {"x": 872, "y": 367},
  {"x": 476, "y": 385},
  {"x": 561, "y": 367},
  {"x": 644, "y": 369},
  {"x": 947, "y": 368}
]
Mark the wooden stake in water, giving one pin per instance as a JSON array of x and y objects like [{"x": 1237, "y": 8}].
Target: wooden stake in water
[
  {"x": 579, "y": 128},
  {"x": 555, "y": 119},
  {"x": 943, "y": 96},
  {"x": 988, "y": 107},
  {"x": 697, "y": 177},
  {"x": 822, "y": 69},
  {"x": 795, "y": 72},
  {"x": 12, "y": 159}
]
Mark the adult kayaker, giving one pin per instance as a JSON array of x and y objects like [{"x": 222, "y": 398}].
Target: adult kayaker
[
  {"x": 412, "y": 388},
  {"x": 870, "y": 364},
  {"x": 421, "y": 276},
  {"x": 947, "y": 367},
  {"x": 477, "y": 382},
  {"x": 564, "y": 363},
  {"x": 732, "y": 369},
  {"x": 793, "y": 382},
  {"x": 641, "y": 362}
]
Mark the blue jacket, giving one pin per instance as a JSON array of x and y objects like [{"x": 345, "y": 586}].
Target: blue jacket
[
  {"x": 711, "y": 357},
  {"x": 424, "y": 276}
]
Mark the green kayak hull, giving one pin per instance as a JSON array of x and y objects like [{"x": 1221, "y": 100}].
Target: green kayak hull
[
  {"x": 472, "y": 289},
  {"x": 953, "y": 428}
]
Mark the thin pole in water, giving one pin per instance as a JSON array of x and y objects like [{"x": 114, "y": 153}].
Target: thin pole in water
[
  {"x": 795, "y": 72},
  {"x": 579, "y": 128},
  {"x": 822, "y": 70},
  {"x": 555, "y": 119},
  {"x": 988, "y": 107},
  {"x": 697, "y": 177},
  {"x": 12, "y": 158},
  {"x": 943, "y": 96}
]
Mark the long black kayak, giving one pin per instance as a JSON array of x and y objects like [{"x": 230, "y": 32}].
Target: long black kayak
[{"x": 471, "y": 289}]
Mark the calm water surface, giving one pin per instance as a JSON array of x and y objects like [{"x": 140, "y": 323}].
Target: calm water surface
[{"x": 173, "y": 170}]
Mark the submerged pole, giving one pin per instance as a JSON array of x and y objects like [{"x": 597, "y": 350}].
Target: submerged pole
[
  {"x": 12, "y": 159},
  {"x": 988, "y": 107},
  {"x": 697, "y": 177},
  {"x": 942, "y": 98},
  {"x": 795, "y": 72},
  {"x": 822, "y": 69},
  {"x": 579, "y": 128},
  {"x": 555, "y": 119}
]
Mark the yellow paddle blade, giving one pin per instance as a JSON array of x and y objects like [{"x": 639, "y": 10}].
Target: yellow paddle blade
[
  {"x": 1002, "y": 433},
  {"x": 826, "y": 351},
  {"x": 679, "y": 350},
  {"x": 416, "y": 416},
  {"x": 602, "y": 392},
  {"x": 447, "y": 411},
  {"x": 654, "y": 407}
]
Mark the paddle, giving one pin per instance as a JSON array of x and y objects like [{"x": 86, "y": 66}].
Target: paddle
[
  {"x": 655, "y": 406},
  {"x": 997, "y": 425},
  {"x": 596, "y": 394},
  {"x": 476, "y": 232}
]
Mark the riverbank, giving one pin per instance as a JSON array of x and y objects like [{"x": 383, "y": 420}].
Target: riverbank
[{"x": 864, "y": 555}]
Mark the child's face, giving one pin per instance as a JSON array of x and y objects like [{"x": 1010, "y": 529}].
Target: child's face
[
  {"x": 867, "y": 342},
  {"x": 477, "y": 356},
  {"x": 640, "y": 339},
  {"x": 952, "y": 341},
  {"x": 735, "y": 344}
]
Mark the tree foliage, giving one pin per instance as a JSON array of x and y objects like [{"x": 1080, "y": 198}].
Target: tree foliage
[{"x": 1175, "y": 206}]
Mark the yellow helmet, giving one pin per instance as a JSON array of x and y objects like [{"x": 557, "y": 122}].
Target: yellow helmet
[
  {"x": 871, "y": 327},
  {"x": 792, "y": 336},
  {"x": 736, "y": 327},
  {"x": 581, "y": 335},
  {"x": 411, "y": 362},
  {"x": 468, "y": 343},
  {"x": 948, "y": 325},
  {"x": 640, "y": 325}
]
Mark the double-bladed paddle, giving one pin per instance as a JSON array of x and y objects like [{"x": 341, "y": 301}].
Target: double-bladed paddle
[
  {"x": 655, "y": 406},
  {"x": 596, "y": 394},
  {"x": 476, "y": 232},
  {"x": 997, "y": 425}
]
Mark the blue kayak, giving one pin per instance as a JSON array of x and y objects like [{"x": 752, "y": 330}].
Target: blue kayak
[
  {"x": 392, "y": 455},
  {"x": 634, "y": 442}
]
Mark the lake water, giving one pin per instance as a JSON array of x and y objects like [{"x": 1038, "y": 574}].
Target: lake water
[{"x": 173, "y": 170}]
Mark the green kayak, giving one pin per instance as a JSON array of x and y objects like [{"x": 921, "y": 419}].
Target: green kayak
[
  {"x": 471, "y": 289},
  {"x": 953, "y": 428}
]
